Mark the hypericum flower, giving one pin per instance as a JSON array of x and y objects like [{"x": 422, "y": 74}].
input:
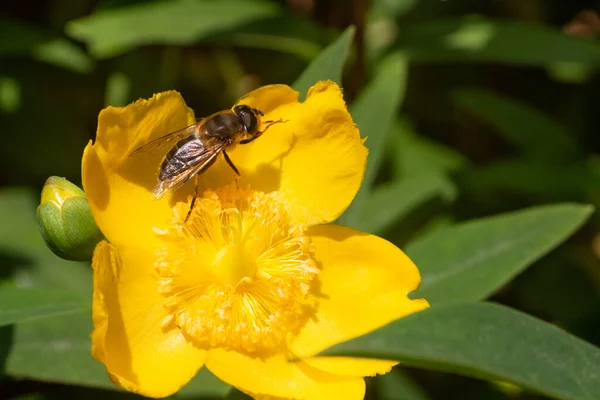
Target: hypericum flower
[{"x": 255, "y": 277}]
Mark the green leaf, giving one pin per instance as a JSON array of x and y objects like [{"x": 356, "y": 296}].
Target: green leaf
[
  {"x": 530, "y": 177},
  {"x": 374, "y": 112},
  {"x": 235, "y": 394},
  {"x": 114, "y": 31},
  {"x": 472, "y": 260},
  {"x": 23, "y": 37},
  {"x": 65, "y": 54},
  {"x": 56, "y": 350},
  {"x": 391, "y": 202},
  {"x": 32, "y": 396},
  {"x": 472, "y": 39},
  {"x": 59, "y": 350},
  {"x": 43, "y": 46},
  {"x": 25, "y": 254},
  {"x": 414, "y": 154},
  {"x": 327, "y": 65},
  {"x": 487, "y": 341},
  {"x": 571, "y": 72},
  {"x": 285, "y": 33},
  {"x": 10, "y": 95},
  {"x": 204, "y": 384},
  {"x": 532, "y": 131},
  {"x": 375, "y": 109},
  {"x": 18, "y": 305},
  {"x": 392, "y": 8},
  {"x": 396, "y": 385},
  {"x": 118, "y": 88}
]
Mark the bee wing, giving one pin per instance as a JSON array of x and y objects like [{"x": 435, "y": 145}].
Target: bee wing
[
  {"x": 205, "y": 159},
  {"x": 162, "y": 142}
]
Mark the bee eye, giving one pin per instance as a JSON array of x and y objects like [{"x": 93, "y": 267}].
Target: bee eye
[{"x": 247, "y": 118}]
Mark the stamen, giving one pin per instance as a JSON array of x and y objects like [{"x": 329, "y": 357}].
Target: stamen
[{"x": 238, "y": 274}]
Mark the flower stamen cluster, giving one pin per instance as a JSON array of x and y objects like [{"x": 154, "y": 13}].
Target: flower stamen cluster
[{"x": 238, "y": 273}]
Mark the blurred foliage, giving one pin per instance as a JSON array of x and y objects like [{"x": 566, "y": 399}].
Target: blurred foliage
[{"x": 471, "y": 109}]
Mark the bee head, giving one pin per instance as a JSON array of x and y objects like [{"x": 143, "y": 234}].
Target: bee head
[{"x": 249, "y": 117}]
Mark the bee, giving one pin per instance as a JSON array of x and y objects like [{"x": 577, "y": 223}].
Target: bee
[{"x": 196, "y": 147}]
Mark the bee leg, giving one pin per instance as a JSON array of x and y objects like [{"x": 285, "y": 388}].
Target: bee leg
[
  {"x": 276, "y": 121},
  {"x": 269, "y": 123},
  {"x": 246, "y": 141},
  {"x": 231, "y": 164},
  {"x": 258, "y": 134},
  {"x": 193, "y": 199}
]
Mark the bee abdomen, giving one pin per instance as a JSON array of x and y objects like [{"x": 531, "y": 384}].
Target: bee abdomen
[{"x": 182, "y": 156}]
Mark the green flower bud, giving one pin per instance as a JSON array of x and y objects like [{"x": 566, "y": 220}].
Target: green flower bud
[{"x": 66, "y": 221}]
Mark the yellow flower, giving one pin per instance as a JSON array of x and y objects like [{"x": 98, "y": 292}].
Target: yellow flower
[{"x": 256, "y": 276}]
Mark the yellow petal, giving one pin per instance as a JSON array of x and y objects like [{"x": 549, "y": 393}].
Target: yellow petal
[
  {"x": 140, "y": 354},
  {"x": 118, "y": 186},
  {"x": 315, "y": 160},
  {"x": 364, "y": 284},
  {"x": 278, "y": 377}
]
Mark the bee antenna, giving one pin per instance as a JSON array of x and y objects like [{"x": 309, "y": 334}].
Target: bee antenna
[{"x": 258, "y": 112}]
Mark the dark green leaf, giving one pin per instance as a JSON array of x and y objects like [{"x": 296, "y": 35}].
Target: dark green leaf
[
  {"x": 487, "y": 341},
  {"x": 20, "y": 38},
  {"x": 56, "y": 350},
  {"x": 414, "y": 154},
  {"x": 327, "y": 65},
  {"x": 114, "y": 31},
  {"x": 18, "y": 305},
  {"x": 29, "y": 40},
  {"x": 374, "y": 112},
  {"x": 396, "y": 385},
  {"x": 59, "y": 350},
  {"x": 204, "y": 384},
  {"x": 571, "y": 72},
  {"x": 530, "y": 130},
  {"x": 472, "y": 260},
  {"x": 531, "y": 178},
  {"x": 476, "y": 39},
  {"x": 375, "y": 109},
  {"x": 10, "y": 95},
  {"x": 286, "y": 33},
  {"x": 391, "y": 202},
  {"x": 392, "y": 9},
  {"x": 65, "y": 54},
  {"x": 118, "y": 87},
  {"x": 235, "y": 394},
  {"x": 25, "y": 254}
]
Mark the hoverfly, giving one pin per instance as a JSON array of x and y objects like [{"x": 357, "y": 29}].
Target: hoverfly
[{"x": 196, "y": 147}]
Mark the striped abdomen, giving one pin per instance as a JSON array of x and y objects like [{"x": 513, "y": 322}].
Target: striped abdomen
[{"x": 185, "y": 154}]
